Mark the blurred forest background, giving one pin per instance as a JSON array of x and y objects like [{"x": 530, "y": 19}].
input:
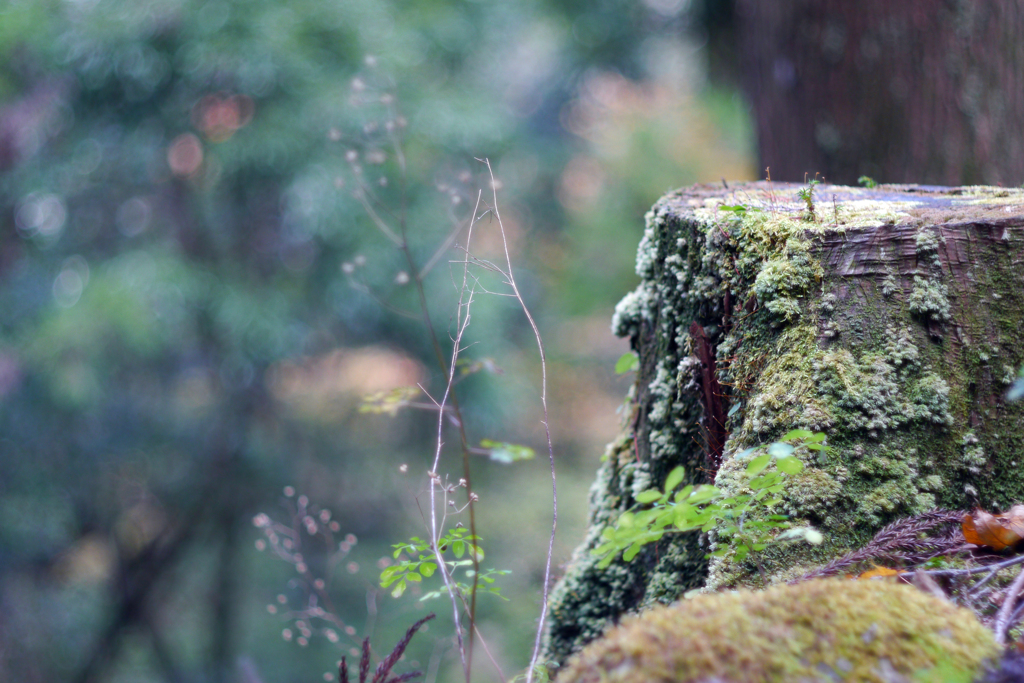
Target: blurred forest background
[
  {"x": 196, "y": 294},
  {"x": 194, "y": 301}
]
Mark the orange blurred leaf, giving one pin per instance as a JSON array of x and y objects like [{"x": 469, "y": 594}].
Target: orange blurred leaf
[
  {"x": 998, "y": 532},
  {"x": 880, "y": 572}
]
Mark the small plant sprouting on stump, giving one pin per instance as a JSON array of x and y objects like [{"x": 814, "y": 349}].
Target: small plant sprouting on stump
[{"x": 746, "y": 520}]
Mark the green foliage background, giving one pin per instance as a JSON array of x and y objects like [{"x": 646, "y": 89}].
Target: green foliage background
[{"x": 178, "y": 343}]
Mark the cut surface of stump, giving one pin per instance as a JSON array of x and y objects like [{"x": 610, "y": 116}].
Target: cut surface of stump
[{"x": 888, "y": 318}]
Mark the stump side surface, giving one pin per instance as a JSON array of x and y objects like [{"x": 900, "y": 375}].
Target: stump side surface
[{"x": 889, "y": 318}]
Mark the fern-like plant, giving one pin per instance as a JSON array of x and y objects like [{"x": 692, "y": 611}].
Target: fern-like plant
[
  {"x": 746, "y": 520},
  {"x": 380, "y": 675}
]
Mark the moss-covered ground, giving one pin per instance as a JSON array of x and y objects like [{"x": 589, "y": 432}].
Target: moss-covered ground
[{"x": 831, "y": 630}]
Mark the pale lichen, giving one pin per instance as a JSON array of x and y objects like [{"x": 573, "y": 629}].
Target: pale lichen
[
  {"x": 630, "y": 311},
  {"x": 927, "y": 243},
  {"x": 889, "y": 286},
  {"x": 1009, "y": 375},
  {"x": 974, "y": 459},
  {"x": 929, "y": 299}
]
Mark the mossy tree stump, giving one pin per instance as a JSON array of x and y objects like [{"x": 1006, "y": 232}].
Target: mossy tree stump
[{"x": 889, "y": 318}]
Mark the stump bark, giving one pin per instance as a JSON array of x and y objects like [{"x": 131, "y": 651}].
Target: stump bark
[{"x": 888, "y": 318}]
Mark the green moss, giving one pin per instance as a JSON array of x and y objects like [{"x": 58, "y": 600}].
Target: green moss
[
  {"x": 782, "y": 280},
  {"x": 819, "y": 388},
  {"x": 854, "y": 631},
  {"x": 813, "y": 491}
]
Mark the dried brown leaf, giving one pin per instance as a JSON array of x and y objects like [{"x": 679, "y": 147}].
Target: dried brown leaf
[{"x": 997, "y": 532}]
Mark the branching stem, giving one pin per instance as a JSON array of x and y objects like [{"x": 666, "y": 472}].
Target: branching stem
[{"x": 511, "y": 281}]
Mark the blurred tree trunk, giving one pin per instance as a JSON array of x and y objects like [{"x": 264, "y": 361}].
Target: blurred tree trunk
[
  {"x": 887, "y": 318},
  {"x": 917, "y": 91}
]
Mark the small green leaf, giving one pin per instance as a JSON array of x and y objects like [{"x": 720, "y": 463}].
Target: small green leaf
[
  {"x": 648, "y": 496},
  {"x": 746, "y": 452},
  {"x": 632, "y": 551},
  {"x": 459, "y": 548},
  {"x": 414, "y": 577},
  {"x": 626, "y": 520},
  {"x": 398, "y": 590},
  {"x": 684, "y": 493},
  {"x": 628, "y": 361},
  {"x": 789, "y": 464},
  {"x": 734, "y": 409},
  {"x": 682, "y": 512},
  {"x": 427, "y": 569},
  {"x": 674, "y": 479},
  {"x": 797, "y": 434},
  {"x": 780, "y": 450},
  {"x": 664, "y": 519},
  {"x": 389, "y": 402},
  {"x": 758, "y": 464},
  {"x": 704, "y": 493},
  {"x": 500, "y": 451}
]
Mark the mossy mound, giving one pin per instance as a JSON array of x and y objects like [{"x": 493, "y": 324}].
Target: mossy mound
[{"x": 827, "y": 630}]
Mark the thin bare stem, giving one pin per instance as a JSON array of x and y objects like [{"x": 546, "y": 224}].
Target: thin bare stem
[
  {"x": 401, "y": 241},
  {"x": 511, "y": 281},
  {"x": 490, "y": 656},
  {"x": 1019, "y": 559},
  {"x": 1003, "y": 618},
  {"x": 378, "y": 221},
  {"x": 1015, "y": 619},
  {"x": 463, "y": 317},
  {"x": 443, "y": 249}
]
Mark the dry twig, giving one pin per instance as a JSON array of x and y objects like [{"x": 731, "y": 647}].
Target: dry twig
[{"x": 1003, "y": 619}]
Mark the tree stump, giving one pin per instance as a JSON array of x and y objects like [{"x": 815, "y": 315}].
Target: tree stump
[{"x": 889, "y": 318}]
